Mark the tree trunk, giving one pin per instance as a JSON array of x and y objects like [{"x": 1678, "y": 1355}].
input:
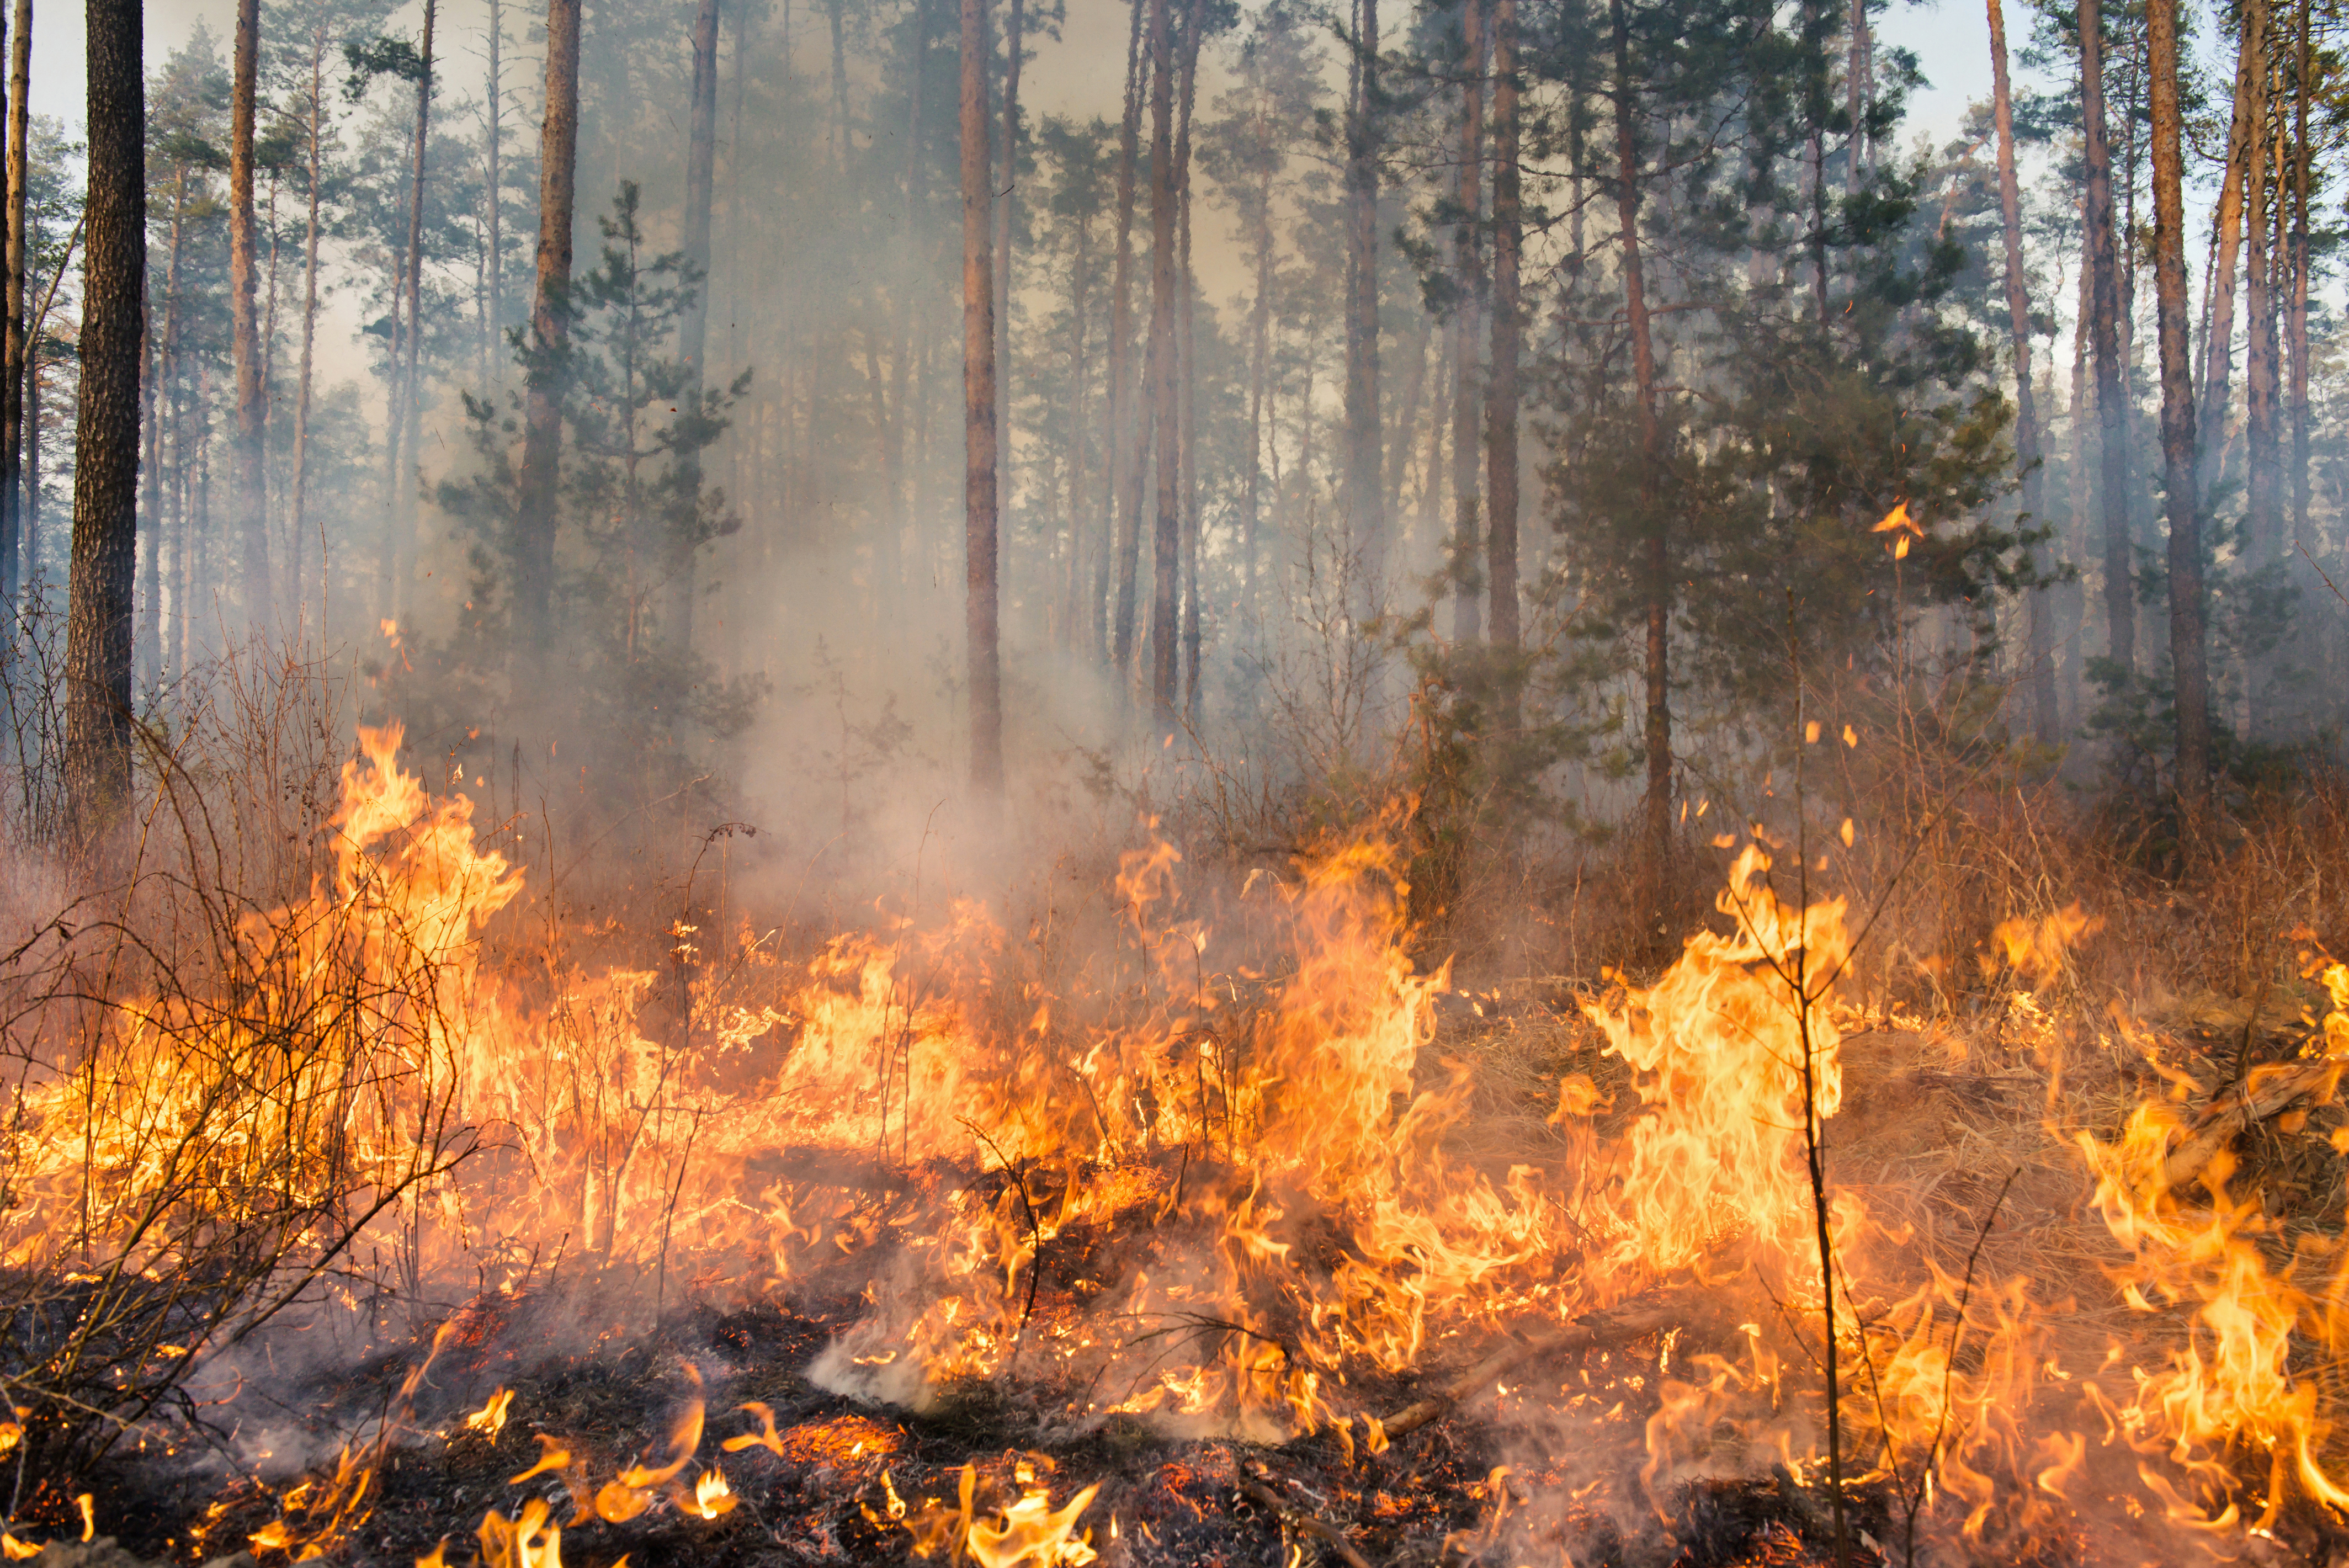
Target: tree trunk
[
  {"x": 2219, "y": 353},
  {"x": 1007, "y": 186},
  {"x": 1501, "y": 394},
  {"x": 541, "y": 453},
  {"x": 32, "y": 577},
  {"x": 2027, "y": 451},
  {"x": 1076, "y": 619},
  {"x": 1858, "y": 70},
  {"x": 693, "y": 328},
  {"x": 839, "y": 87},
  {"x": 1128, "y": 447},
  {"x": 249, "y": 489},
  {"x": 985, "y": 673},
  {"x": 411, "y": 401},
  {"x": 2261, "y": 521},
  {"x": 1165, "y": 577},
  {"x": 901, "y": 490},
  {"x": 494, "y": 109},
  {"x": 2112, "y": 413},
  {"x": 1259, "y": 372},
  {"x": 1468, "y": 393},
  {"x": 160, "y": 350},
  {"x": 13, "y": 357},
  {"x": 106, "y": 433},
  {"x": 319, "y": 38},
  {"x": 2179, "y": 497},
  {"x": 1655, "y": 567},
  {"x": 2297, "y": 306},
  {"x": 1187, "y": 339},
  {"x": 1365, "y": 495}
]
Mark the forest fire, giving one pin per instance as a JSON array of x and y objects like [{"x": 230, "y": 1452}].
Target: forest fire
[{"x": 1226, "y": 1194}]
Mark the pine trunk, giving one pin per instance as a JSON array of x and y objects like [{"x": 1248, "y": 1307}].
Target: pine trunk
[
  {"x": 1129, "y": 441},
  {"x": 160, "y": 353},
  {"x": 106, "y": 433},
  {"x": 1501, "y": 391},
  {"x": 2112, "y": 413},
  {"x": 1186, "y": 356},
  {"x": 1467, "y": 315},
  {"x": 14, "y": 359},
  {"x": 299, "y": 509},
  {"x": 1364, "y": 496},
  {"x": 2262, "y": 518},
  {"x": 1656, "y": 834},
  {"x": 411, "y": 400},
  {"x": 1076, "y": 621},
  {"x": 542, "y": 454},
  {"x": 2296, "y": 304},
  {"x": 1858, "y": 70},
  {"x": 900, "y": 430},
  {"x": 1166, "y": 532},
  {"x": 1006, "y": 189},
  {"x": 2189, "y": 669},
  {"x": 1260, "y": 376},
  {"x": 2218, "y": 351},
  {"x": 2027, "y": 449},
  {"x": 693, "y": 328},
  {"x": 493, "y": 107},
  {"x": 984, "y": 671},
  {"x": 249, "y": 499}
]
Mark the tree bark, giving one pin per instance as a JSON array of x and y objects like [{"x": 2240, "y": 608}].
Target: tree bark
[
  {"x": 2261, "y": 521},
  {"x": 1858, "y": 70},
  {"x": 2297, "y": 306},
  {"x": 411, "y": 401},
  {"x": 1077, "y": 621},
  {"x": 899, "y": 433},
  {"x": 13, "y": 357},
  {"x": 1266, "y": 248},
  {"x": 1007, "y": 186},
  {"x": 2188, "y": 665},
  {"x": 299, "y": 510},
  {"x": 1467, "y": 391},
  {"x": 1365, "y": 496},
  {"x": 2219, "y": 353},
  {"x": 493, "y": 114},
  {"x": 984, "y": 671},
  {"x": 693, "y": 328},
  {"x": 2027, "y": 452},
  {"x": 1128, "y": 446},
  {"x": 2120, "y": 602},
  {"x": 1501, "y": 392},
  {"x": 161, "y": 351},
  {"x": 249, "y": 490},
  {"x": 1166, "y": 535},
  {"x": 542, "y": 454},
  {"x": 106, "y": 434},
  {"x": 1186, "y": 341},
  {"x": 1656, "y": 556}
]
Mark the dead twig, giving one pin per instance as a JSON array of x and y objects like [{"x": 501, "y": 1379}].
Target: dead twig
[
  {"x": 1304, "y": 1524},
  {"x": 2265, "y": 1092}
]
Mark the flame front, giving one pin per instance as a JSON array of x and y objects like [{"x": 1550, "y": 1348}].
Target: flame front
[{"x": 1238, "y": 1089}]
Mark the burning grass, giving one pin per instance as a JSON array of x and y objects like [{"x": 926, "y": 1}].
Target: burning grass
[{"x": 1200, "y": 1223}]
